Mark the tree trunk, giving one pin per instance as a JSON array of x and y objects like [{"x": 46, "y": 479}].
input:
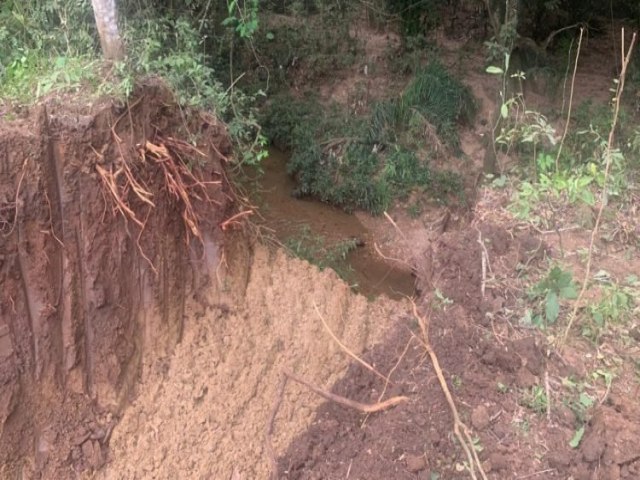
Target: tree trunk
[{"x": 107, "y": 22}]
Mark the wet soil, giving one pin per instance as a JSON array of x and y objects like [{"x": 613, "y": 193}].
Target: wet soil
[{"x": 491, "y": 368}]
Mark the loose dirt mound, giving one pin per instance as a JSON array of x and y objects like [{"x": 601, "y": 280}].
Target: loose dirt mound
[
  {"x": 493, "y": 370},
  {"x": 88, "y": 298}
]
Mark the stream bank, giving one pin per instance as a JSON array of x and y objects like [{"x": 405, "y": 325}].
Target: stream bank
[{"x": 301, "y": 221}]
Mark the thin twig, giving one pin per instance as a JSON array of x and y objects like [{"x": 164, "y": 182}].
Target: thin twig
[
  {"x": 392, "y": 259},
  {"x": 605, "y": 184},
  {"x": 548, "y": 393},
  {"x": 346, "y": 350},
  {"x": 15, "y": 215},
  {"x": 484, "y": 256},
  {"x": 573, "y": 81},
  {"x": 395, "y": 225},
  {"x": 566, "y": 75},
  {"x": 361, "y": 407},
  {"x": 386, "y": 384}
]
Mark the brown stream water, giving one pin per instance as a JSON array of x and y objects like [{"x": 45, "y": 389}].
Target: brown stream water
[{"x": 288, "y": 216}]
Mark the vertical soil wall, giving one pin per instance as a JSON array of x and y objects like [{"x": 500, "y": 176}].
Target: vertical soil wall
[{"x": 98, "y": 254}]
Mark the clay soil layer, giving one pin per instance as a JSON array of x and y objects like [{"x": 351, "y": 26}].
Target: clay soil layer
[
  {"x": 135, "y": 343},
  {"x": 91, "y": 292}
]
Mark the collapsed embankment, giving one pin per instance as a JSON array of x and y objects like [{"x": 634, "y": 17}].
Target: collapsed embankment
[
  {"x": 99, "y": 254},
  {"x": 137, "y": 338}
]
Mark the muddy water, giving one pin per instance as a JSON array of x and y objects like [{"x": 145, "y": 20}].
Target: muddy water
[{"x": 288, "y": 216}]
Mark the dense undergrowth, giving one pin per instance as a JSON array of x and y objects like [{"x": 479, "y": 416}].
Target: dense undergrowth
[
  {"x": 50, "y": 48},
  {"x": 226, "y": 56},
  {"x": 366, "y": 162}
]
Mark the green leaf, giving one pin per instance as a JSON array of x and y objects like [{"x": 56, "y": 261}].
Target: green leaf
[
  {"x": 598, "y": 318},
  {"x": 494, "y": 70},
  {"x": 537, "y": 321},
  {"x": 228, "y": 21},
  {"x": 587, "y": 197},
  {"x": 577, "y": 438},
  {"x": 585, "y": 400},
  {"x": 270, "y": 36},
  {"x": 552, "y": 307},
  {"x": 569, "y": 292},
  {"x": 504, "y": 110}
]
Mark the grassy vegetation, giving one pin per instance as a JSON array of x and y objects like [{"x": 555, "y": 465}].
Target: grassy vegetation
[
  {"x": 583, "y": 178},
  {"x": 367, "y": 162},
  {"x": 51, "y": 48},
  {"x": 316, "y": 250}
]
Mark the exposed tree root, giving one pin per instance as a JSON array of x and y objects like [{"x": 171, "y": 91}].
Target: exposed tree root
[
  {"x": 234, "y": 219},
  {"x": 286, "y": 375},
  {"x": 5, "y": 209},
  {"x": 124, "y": 183},
  {"x": 460, "y": 430}
]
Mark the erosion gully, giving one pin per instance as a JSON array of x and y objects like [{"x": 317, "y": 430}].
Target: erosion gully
[{"x": 286, "y": 216}]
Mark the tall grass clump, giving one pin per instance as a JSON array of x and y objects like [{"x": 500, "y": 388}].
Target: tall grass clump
[{"x": 369, "y": 161}]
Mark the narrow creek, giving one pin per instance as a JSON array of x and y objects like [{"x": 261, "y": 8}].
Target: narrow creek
[{"x": 299, "y": 220}]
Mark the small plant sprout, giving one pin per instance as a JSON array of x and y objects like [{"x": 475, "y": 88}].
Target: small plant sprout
[{"x": 558, "y": 285}]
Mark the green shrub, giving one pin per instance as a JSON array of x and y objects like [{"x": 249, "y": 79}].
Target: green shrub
[
  {"x": 442, "y": 99},
  {"x": 367, "y": 162}
]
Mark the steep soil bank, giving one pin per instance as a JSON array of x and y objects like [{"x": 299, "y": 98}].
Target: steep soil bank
[
  {"x": 116, "y": 288},
  {"x": 89, "y": 298},
  {"x": 203, "y": 414}
]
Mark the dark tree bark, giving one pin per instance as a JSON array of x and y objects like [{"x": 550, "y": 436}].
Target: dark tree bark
[{"x": 107, "y": 23}]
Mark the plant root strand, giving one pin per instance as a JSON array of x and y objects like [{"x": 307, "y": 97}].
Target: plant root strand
[
  {"x": 332, "y": 397},
  {"x": 460, "y": 430}
]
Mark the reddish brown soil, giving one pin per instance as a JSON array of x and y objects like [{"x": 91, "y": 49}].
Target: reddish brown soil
[
  {"x": 80, "y": 309},
  {"x": 109, "y": 370},
  {"x": 488, "y": 374}
]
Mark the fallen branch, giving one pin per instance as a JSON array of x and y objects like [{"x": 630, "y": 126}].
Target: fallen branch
[
  {"x": 361, "y": 407},
  {"x": 346, "y": 350},
  {"x": 395, "y": 225}
]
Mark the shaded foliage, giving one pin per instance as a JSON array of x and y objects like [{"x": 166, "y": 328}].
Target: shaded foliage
[{"x": 367, "y": 162}]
